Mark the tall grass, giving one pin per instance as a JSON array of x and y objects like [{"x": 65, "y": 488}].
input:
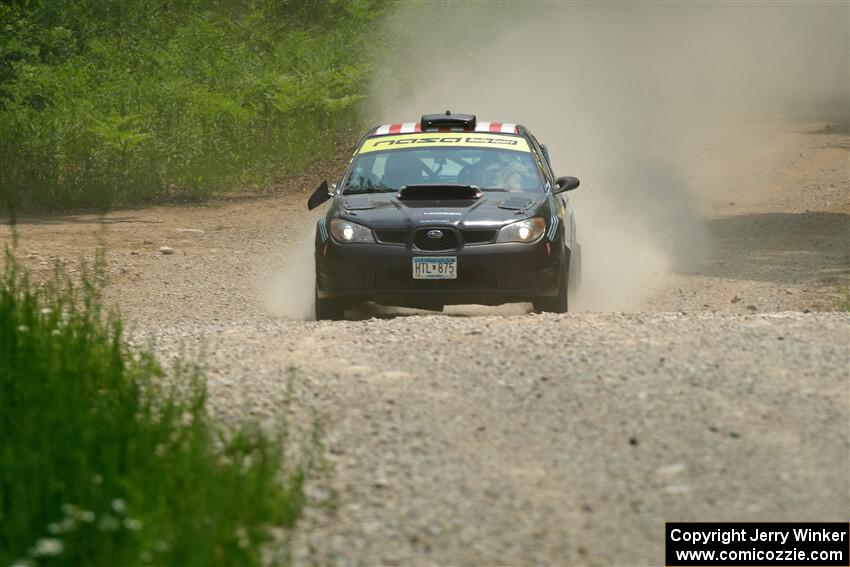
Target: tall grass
[
  {"x": 105, "y": 462},
  {"x": 105, "y": 101}
]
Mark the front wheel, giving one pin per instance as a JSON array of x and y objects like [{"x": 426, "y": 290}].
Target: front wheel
[
  {"x": 329, "y": 309},
  {"x": 558, "y": 303}
]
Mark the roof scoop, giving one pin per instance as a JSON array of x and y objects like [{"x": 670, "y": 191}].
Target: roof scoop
[
  {"x": 448, "y": 120},
  {"x": 446, "y": 192}
]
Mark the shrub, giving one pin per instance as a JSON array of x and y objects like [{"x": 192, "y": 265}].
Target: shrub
[
  {"x": 133, "y": 100},
  {"x": 105, "y": 462}
]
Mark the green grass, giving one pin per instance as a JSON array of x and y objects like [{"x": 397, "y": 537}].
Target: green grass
[
  {"x": 107, "y": 461},
  {"x": 125, "y": 101}
]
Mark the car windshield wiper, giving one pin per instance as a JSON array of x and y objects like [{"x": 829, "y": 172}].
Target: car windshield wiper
[{"x": 493, "y": 189}]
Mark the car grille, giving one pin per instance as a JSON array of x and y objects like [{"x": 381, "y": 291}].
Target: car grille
[
  {"x": 478, "y": 236},
  {"x": 392, "y": 236},
  {"x": 448, "y": 240}
]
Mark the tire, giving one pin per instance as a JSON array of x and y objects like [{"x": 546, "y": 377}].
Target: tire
[
  {"x": 558, "y": 303},
  {"x": 328, "y": 309}
]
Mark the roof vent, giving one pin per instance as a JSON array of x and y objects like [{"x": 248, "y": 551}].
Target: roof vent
[{"x": 448, "y": 120}]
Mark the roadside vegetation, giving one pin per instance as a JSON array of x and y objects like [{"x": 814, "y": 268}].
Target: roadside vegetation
[
  {"x": 107, "y": 460},
  {"x": 128, "y": 101}
]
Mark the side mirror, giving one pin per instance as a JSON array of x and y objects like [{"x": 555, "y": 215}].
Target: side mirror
[
  {"x": 319, "y": 196},
  {"x": 566, "y": 184}
]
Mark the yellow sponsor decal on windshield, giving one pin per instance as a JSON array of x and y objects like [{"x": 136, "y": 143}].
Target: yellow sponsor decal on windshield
[{"x": 444, "y": 139}]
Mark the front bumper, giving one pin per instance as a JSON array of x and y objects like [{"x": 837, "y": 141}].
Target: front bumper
[{"x": 488, "y": 274}]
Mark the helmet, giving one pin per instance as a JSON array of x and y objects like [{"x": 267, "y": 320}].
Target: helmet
[{"x": 402, "y": 168}]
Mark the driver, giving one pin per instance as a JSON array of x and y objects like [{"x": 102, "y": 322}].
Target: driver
[
  {"x": 402, "y": 168},
  {"x": 504, "y": 172}
]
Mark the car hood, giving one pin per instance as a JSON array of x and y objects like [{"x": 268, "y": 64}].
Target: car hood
[{"x": 491, "y": 210}]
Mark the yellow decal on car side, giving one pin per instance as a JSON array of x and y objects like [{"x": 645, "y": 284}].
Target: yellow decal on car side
[{"x": 445, "y": 139}]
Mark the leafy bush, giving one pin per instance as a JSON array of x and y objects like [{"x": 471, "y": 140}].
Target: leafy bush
[
  {"x": 104, "y": 462},
  {"x": 130, "y": 100}
]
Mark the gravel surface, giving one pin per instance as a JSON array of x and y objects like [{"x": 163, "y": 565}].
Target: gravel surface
[
  {"x": 495, "y": 436},
  {"x": 539, "y": 438}
]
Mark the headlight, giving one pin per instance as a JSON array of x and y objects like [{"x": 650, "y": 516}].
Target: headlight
[
  {"x": 527, "y": 230},
  {"x": 347, "y": 231}
]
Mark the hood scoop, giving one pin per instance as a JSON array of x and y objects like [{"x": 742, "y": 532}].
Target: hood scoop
[
  {"x": 358, "y": 203},
  {"x": 516, "y": 203},
  {"x": 439, "y": 193}
]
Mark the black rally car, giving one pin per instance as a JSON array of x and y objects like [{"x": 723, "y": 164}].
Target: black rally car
[{"x": 447, "y": 210}]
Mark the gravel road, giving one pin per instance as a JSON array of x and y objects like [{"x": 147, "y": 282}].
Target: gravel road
[
  {"x": 507, "y": 437},
  {"x": 547, "y": 439}
]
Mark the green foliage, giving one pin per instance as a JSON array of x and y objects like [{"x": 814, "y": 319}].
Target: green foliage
[
  {"x": 105, "y": 462},
  {"x": 129, "y": 100}
]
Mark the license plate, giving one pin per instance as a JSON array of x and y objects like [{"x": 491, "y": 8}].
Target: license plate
[{"x": 435, "y": 268}]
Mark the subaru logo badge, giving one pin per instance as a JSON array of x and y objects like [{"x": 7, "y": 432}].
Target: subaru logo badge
[{"x": 435, "y": 234}]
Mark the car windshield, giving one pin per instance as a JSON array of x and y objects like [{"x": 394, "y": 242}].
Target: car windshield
[{"x": 491, "y": 169}]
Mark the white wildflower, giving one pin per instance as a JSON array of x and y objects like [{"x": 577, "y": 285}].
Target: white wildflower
[
  {"x": 70, "y": 510},
  {"x": 46, "y": 311},
  {"x": 132, "y": 524},
  {"x": 55, "y": 332},
  {"x": 120, "y": 506},
  {"x": 68, "y": 524},
  {"x": 23, "y": 328},
  {"x": 242, "y": 537},
  {"x": 47, "y": 547},
  {"x": 74, "y": 513}
]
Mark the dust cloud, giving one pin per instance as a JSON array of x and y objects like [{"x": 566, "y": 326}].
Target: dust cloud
[
  {"x": 658, "y": 108},
  {"x": 290, "y": 293}
]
